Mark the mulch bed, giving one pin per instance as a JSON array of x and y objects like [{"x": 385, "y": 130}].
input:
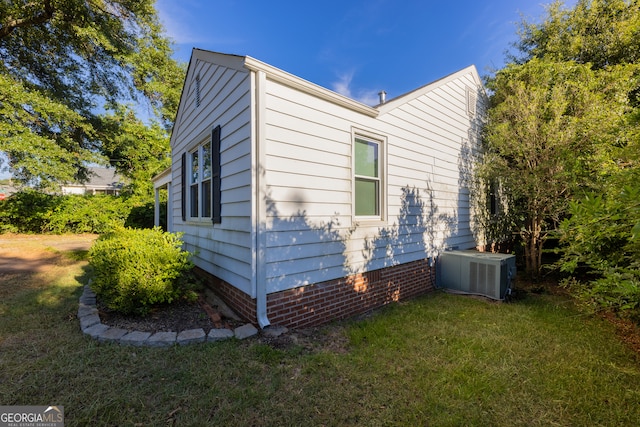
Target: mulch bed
[{"x": 175, "y": 317}]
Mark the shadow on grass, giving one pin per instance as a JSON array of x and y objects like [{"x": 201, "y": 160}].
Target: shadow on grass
[{"x": 436, "y": 360}]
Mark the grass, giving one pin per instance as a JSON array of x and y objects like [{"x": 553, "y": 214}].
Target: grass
[{"x": 440, "y": 360}]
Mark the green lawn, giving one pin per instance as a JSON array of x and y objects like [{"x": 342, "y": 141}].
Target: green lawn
[{"x": 440, "y": 360}]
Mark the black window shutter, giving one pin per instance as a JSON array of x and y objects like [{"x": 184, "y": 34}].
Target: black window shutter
[
  {"x": 216, "y": 209},
  {"x": 183, "y": 183}
]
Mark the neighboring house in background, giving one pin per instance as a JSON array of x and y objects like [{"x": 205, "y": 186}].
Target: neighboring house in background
[
  {"x": 303, "y": 205},
  {"x": 7, "y": 189},
  {"x": 101, "y": 181}
]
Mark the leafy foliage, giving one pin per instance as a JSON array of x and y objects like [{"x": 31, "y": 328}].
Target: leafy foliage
[
  {"x": 136, "y": 269},
  {"x": 139, "y": 151},
  {"x": 87, "y": 214},
  {"x": 26, "y": 212},
  {"x": 603, "y": 235},
  {"x": 41, "y": 136},
  {"x": 64, "y": 60},
  {"x": 596, "y": 32},
  {"x": 30, "y": 211},
  {"x": 564, "y": 114},
  {"x": 546, "y": 122}
]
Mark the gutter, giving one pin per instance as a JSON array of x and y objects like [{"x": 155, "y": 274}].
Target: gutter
[{"x": 260, "y": 81}]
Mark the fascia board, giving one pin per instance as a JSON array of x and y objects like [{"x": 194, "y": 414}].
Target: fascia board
[
  {"x": 295, "y": 82},
  {"x": 395, "y": 102}
]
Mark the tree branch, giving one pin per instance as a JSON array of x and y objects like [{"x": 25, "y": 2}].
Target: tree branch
[{"x": 8, "y": 27}]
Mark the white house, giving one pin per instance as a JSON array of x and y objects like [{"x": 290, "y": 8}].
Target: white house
[
  {"x": 303, "y": 205},
  {"x": 101, "y": 180}
]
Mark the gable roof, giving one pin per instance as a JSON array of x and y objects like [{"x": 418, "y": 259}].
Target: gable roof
[
  {"x": 247, "y": 63},
  {"x": 99, "y": 178},
  {"x": 399, "y": 100}
]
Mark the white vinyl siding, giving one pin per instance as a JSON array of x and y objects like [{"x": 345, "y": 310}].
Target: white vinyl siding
[
  {"x": 308, "y": 177},
  {"x": 307, "y": 168},
  {"x": 224, "y": 249},
  {"x": 314, "y": 232}
]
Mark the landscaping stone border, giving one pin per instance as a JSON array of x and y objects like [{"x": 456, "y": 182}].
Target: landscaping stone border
[{"x": 90, "y": 325}]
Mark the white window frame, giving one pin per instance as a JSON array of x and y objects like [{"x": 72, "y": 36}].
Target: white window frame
[
  {"x": 198, "y": 182},
  {"x": 381, "y": 141}
]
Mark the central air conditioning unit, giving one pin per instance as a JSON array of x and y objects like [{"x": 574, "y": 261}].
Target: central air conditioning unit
[{"x": 479, "y": 273}]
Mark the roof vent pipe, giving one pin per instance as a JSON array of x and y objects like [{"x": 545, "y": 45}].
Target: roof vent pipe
[{"x": 383, "y": 97}]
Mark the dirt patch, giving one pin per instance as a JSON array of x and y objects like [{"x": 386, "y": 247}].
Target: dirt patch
[
  {"x": 627, "y": 331},
  {"x": 38, "y": 253}
]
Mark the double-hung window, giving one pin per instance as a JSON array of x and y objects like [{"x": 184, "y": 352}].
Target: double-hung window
[
  {"x": 368, "y": 168},
  {"x": 201, "y": 190},
  {"x": 200, "y": 181}
]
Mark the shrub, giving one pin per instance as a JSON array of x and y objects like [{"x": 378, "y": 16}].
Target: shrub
[
  {"x": 141, "y": 215},
  {"x": 87, "y": 214},
  {"x": 27, "y": 211},
  {"x": 603, "y": 236},
  {"x": 136, "y": 269},
  {"x": 30, "y": 211}
]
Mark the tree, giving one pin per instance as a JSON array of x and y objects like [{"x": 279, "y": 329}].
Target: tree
[
  {"x": 602, "y": 234},
  {"x": 597, "y": 32},
  {"x": 564, "y": 114},
  {"x": 546, "y": 122},
  {"x": 66, "y": 64},
  {"x": 139, "y": 151}
]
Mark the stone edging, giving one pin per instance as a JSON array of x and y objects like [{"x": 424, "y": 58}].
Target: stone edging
[{"x": 90, "y": 325}]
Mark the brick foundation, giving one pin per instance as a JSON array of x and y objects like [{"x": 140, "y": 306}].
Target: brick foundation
[{"x": 334, "y": 299}]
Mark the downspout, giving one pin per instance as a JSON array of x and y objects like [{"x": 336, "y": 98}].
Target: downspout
[{"x": 260, "y": 194}]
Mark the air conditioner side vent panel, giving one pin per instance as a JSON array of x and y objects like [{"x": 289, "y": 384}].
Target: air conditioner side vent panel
[{"x": 478, "y": 273}]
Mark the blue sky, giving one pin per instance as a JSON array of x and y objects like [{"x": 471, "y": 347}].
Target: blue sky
[{"x": 354, "y": 47}]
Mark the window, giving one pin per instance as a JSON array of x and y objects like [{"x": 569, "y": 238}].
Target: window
[
  {"x": 193, "y": 184},
  {"x": 206, "y": 180},
  {"x": 368, "y": 177},
  {"x": 201, "y": 180}
]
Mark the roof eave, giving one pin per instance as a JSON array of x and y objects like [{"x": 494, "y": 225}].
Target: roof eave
[
  {"x": 290, "y": 80},
  {"x": 399, "y": 100}
]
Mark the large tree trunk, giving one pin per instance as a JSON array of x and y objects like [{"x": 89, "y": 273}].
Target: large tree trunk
[{"x": 533, "y": 239}]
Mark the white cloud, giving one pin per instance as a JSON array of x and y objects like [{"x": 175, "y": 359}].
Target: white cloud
[{"x": 343, "y": 86}]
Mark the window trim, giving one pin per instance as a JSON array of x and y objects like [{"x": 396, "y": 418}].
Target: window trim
[
  {"x": 213, "y": 193},
  {"x": 189, "y": 182},
  {"x": 195, "y": 180},
  {"x": 382, "y": 180}
]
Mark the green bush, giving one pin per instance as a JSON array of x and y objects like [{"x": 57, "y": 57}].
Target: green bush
[
  {"x": 136, "y": 269},
  {"x": 87, "y": 214},
  {"x": 30, "y": 211},
  {"x": 602, "y": 236},
  {"x": 27, "y": 211},
  {"x": 141, "y": 216}
]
